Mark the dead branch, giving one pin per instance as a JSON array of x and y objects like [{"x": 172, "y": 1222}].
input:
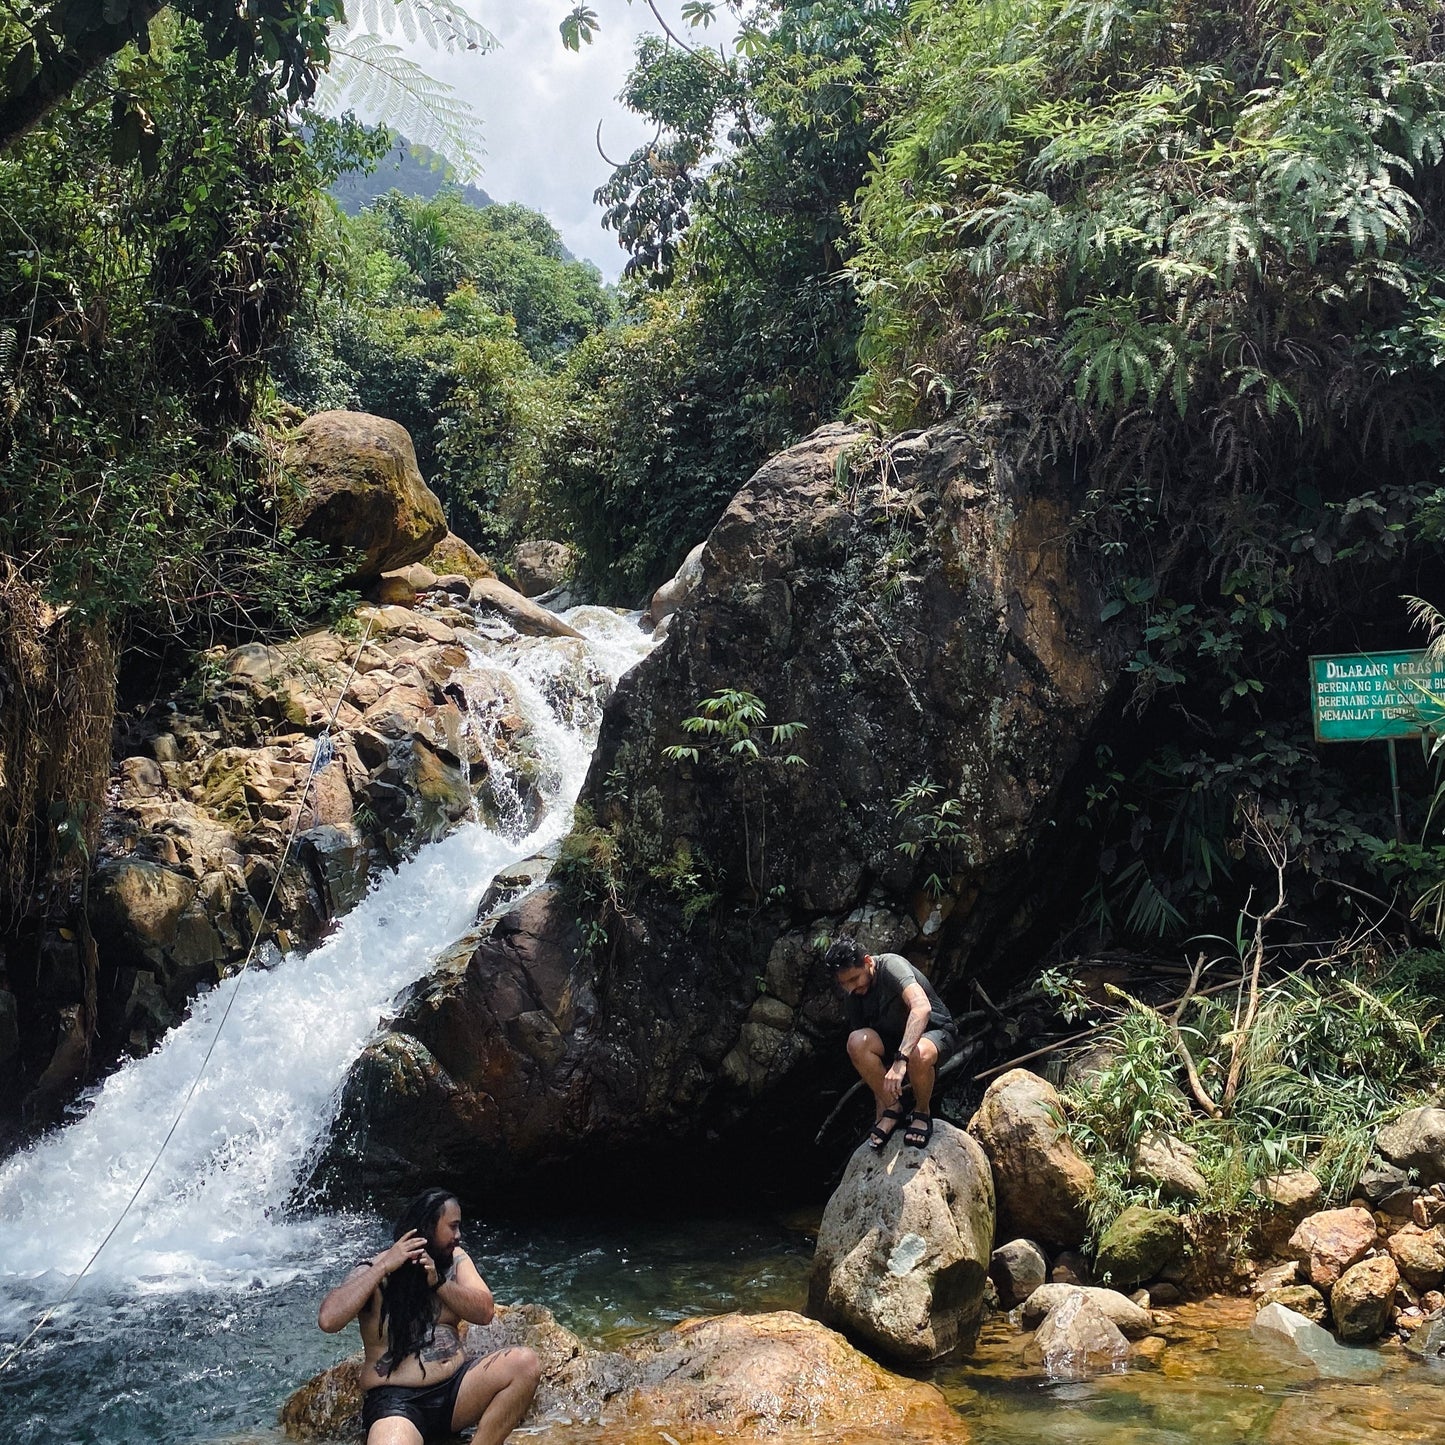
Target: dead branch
[
  {"x": 1271, "y": 842},
  {"x": 1196, "y": 1084}
]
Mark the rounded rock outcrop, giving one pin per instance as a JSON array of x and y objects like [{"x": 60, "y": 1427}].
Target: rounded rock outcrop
[
  {"x": 1360, "y": 1299},
  {"x": 1328, "y": 1243},
  {"x": 1415, "y": 1142},
  {"x": 360, "y": 491},
  {"x": 721, "y": 1378},
  {"x": 1043, "y": 1184},
  {"x": 903, "y": 1251}
]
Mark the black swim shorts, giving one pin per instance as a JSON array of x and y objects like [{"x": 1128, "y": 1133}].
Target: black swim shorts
[
  {"x": 944, "y": 1040},
  {"x": 428, "y": 1407}
]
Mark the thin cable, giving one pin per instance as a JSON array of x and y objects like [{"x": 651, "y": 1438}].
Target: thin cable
[{"x": 317, "y": 764}]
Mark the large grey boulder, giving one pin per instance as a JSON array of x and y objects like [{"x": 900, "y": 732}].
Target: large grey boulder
[
  {"x": 1415, "y": 1142},
  {"x": 903, "y": 1250},
  {"x": 540, "y": 566},
  {"x": 1170, "y": 1165},
  {"x": 678, "y": 588},
  {"x": 360, "y": 493},
  {"x": 1043, "y": 1184},
  {"x": 712, "y": 1035},
  {"x": 493, "y": 595}
]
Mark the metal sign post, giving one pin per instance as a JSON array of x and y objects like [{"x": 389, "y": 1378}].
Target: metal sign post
[{"x": 1360, "y": 697}]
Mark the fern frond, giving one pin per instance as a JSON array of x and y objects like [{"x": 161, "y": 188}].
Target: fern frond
[{"x": 380, "y": 82}]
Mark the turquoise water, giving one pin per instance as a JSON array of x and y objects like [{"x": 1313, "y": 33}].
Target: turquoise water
[
  {"x": 213, "y": 1365},
  {"x": 178, "y": 1362}
]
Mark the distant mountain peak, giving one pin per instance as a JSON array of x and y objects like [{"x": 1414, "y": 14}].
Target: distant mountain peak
[{"x": 414, "y": 170}]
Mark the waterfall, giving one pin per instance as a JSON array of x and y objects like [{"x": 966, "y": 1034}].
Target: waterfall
[{"x": 213, "y": 1212}]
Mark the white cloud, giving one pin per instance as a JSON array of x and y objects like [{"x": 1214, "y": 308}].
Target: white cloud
[{"x": 540, "y": 106}]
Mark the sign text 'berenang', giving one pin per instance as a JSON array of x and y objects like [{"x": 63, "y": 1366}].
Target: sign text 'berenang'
[{"x": 1370, "y": 696}]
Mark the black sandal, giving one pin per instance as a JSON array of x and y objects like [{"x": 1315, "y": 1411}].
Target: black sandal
[
  {"x": 916, "y": 1135},
  {"x": 878, "y": 1136}
]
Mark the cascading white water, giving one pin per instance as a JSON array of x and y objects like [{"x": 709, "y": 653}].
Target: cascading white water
[{"x": 213, "y": 1212}]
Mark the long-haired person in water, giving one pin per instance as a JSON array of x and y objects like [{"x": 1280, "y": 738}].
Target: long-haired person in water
[{"x": 411, "y": 1301}]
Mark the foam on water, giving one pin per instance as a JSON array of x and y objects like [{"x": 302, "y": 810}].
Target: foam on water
[{"x": 214, "y": 1210}]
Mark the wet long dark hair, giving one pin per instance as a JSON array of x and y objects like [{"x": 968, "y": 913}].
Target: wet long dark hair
[{"x": 408, "y": 1306}]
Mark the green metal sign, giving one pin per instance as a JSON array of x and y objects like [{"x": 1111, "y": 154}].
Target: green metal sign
[{"x": 1374, "y": 696}]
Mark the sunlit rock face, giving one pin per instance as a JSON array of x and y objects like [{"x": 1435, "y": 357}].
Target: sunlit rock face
[
  {"x": 1043, "y": 1184},
  {"x": 360, "y": 493},
  {"x": 917, "y": 608},
  {"x": 904, "y": 1248},
  {"x": 732, "y": 1377}
]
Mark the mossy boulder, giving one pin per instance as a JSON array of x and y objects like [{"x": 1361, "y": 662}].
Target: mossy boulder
[
  {"x": 1139, "y": 1244},
  {"x": 360, "y": 492}
]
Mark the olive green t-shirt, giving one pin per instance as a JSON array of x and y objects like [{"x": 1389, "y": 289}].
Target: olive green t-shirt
[{"x": 883, "y": 1007}]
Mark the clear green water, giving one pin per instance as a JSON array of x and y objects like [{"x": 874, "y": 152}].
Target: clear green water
[{"x": 197, "y": 1365}]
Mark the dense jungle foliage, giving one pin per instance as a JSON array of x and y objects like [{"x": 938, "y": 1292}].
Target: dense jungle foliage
[
  {"x": 1198, "y": 248},
  {"x": 453, "y": 320},
  {"x": 1187, "y": 254}
]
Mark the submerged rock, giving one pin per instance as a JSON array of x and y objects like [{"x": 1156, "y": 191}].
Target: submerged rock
[
  {"x": 1428, "y": 1341},
  {"x": 1133, "y": 1321},
  {"x": 1308, "y": 1344},
  {"x": 738, "y": 1377},
  {"x": 1077, "y": 1339},
  {"x": 903, "y": 1250},
  {"x": 1043, "y": 1185}
]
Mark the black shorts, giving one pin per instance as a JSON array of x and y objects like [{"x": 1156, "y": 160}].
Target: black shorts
[
  {"x": 944, "y": 1040},
  {"x": 428, "y": 1407}
]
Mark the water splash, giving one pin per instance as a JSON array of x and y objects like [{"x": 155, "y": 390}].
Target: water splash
[{"x": 213, "y": 1213}]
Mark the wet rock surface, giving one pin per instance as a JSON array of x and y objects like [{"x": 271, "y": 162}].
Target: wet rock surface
[
  {"x": 393, "y": 732},
  {"x": 978, "y": 664},
  {"x": 1132, "y": 1320},
  {"x": 1076, "y": 1339},
  {"x": 726, "y": 1377}
]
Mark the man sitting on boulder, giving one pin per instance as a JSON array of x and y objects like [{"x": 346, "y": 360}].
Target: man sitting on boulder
[
  {"x": 899, "y": 1029},
  {"x": 411, "y": 1301}
]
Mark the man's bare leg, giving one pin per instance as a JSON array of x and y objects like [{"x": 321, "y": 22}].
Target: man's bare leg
[
  {"x": 495, "y": 1395},
  {"x": 865, "y": 1049},
  {"x": 922, "y": 1070}
]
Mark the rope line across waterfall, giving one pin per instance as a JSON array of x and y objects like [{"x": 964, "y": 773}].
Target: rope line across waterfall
[{"x": 321, "y": 755}]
